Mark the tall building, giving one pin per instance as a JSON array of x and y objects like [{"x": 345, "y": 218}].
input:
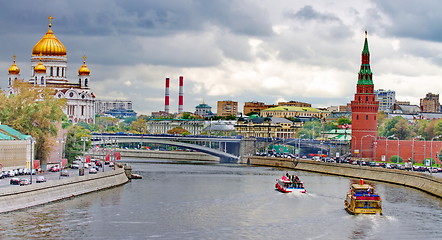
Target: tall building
[
  {"x": 227, "y": 108},
  {"x": 102, "y": 106},
  {"x": 430, "y": 103},
  {"x": 255, "y": 107},
  {"x": 364, "y": 109},
  {"x": 49, "y": 65},
  {"x": 386, "y": 99},
  {"x": 203, "y": 110}
]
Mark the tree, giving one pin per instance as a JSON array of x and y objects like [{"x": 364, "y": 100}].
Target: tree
[
  {"x": 178, "y": 130},
  {"x": 33, "y": 110},
  {"x": 107, "y": 124},
  {"x": 139, "y": 126},
  {"x": 74, "y": 143},
  {"x": 344, "y": 121}
]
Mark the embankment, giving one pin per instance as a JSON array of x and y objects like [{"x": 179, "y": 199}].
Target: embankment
[
  {"x": 421, "y": 181},
  {"x": 19, "y": 197}
]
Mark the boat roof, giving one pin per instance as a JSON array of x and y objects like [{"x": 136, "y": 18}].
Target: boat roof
[{"x": 359, "y": 186}]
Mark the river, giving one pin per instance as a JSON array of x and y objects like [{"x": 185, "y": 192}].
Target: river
[{"x": 218, "y": 201}]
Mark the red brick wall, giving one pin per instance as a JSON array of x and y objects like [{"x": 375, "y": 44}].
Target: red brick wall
[{"x": 421, "y": 149}]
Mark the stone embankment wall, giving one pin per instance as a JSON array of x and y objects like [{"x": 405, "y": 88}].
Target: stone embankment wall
[
  {"x": 173, "y": 155},
  {"x": 421, "y": 181},
  {"x": 19, "y": 197}
]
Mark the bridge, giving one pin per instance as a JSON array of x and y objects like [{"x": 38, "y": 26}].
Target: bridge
[{"x": 228, "y": 149}]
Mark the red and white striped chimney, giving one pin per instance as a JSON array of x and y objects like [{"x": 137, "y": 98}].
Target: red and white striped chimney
[
  {"x": 166, "y": 96},
  {"x": 181, "y": 96}
]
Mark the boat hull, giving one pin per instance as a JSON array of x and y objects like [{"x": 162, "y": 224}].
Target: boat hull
[{"x": 289, "y": 189}]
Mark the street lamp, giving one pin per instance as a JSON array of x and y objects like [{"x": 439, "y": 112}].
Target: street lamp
[
  {"x": 386, "y": 145},
  {"x": 431, "y": 153},
  {"x": 31, "y": 161},
  {"x": 60, "y": 141}
]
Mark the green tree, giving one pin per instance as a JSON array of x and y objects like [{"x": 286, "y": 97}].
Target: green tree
[
  {"x": 74, "y": 143},
  {"x": 33, "y": 110},
  {"x": 343, "y": 121}
]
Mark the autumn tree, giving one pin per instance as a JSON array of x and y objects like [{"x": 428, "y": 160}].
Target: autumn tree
[
  {"x": 178, "y": 130},
  {"x": 33, "y": 110},
  {"x": 139, "y": 126}
]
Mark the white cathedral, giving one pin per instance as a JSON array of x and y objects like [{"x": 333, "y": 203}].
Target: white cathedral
[{"x": 49, "y": 64}]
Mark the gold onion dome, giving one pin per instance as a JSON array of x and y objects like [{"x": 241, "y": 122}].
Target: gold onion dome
[
  {"x": 40, "y": 68},
  {"x": 84, "y": 70},
  {"x": 49, "y": 45},
  {"x": 14, "y": 69}
]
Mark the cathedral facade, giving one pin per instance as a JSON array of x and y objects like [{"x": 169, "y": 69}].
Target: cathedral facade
[{"x": 49, "y": 64}]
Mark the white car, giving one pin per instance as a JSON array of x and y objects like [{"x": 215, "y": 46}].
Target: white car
[{"x": 93, "y": 171}]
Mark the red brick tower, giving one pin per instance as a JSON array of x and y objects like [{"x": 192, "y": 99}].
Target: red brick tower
[{"x": 364, "y": 110}]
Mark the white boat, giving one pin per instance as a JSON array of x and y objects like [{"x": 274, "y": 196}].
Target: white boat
[{"x": 290, "y": 184}]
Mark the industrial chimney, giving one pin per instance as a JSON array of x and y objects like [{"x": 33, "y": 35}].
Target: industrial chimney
[
  {"x": 181, "y": 97},
  {"x": 166, "y": 97}
]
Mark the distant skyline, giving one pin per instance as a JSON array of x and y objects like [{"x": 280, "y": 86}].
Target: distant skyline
[{"x": 240, "y": 50}]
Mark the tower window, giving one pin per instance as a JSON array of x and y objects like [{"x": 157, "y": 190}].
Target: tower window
[
  {"x": 366, "y": 117},
  {"x": 357, "y": 117}
]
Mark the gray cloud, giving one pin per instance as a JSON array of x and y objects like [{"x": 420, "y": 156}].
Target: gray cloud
[{"x": 242, "y": 50}]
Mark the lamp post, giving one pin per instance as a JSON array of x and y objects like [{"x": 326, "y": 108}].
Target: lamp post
[
  {"x": 60, "y": 141},
  {"x": 84, "y": 139},
  {"x": 386, "y": 146},
  {"x": 31, "y": 161},
  {"x": 431, "y": 153}
]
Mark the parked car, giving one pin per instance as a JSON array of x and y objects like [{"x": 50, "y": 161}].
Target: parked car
[
  {"x": 64, "y": 173},
  {"x": 14, "y": 181},
  {"x": 40, "y": 179},
  {"x": 98, "y": 163},
  {"x": 93, "y": 171},
  {"x": 75, "y": 166},
  {"x": 24, "y": 182},
  {"x": 54, "y": 169}
]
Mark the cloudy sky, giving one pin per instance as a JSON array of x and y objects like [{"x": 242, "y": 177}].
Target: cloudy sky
[{"x": 241, "y": 50}]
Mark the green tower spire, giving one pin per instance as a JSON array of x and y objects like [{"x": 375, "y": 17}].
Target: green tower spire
[{"x": 365, "y": 74}]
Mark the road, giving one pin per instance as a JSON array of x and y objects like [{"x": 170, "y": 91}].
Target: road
[{"x": 50, "y": 176}]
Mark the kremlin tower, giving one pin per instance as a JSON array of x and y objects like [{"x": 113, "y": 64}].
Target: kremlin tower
[
  {"x": 49, "y": 64},
  {"x": 364, "y": 109}
]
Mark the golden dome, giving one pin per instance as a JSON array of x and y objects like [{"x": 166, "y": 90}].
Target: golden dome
[
  {"x": 40, "y": 68},
  {"x": 84, "y": 70},
  {"x": 49, "y": 45},
  {"x": 14, "y": 69}
]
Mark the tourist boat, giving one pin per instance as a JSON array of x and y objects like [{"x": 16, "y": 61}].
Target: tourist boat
[
  {"x": 362, "y": 199},
  {"x": 290, "y": 184}
]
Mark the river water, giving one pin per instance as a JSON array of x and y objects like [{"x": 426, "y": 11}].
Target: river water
[{"x": 218, "y": 201}]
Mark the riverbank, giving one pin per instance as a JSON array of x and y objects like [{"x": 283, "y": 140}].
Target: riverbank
[
  {"x": 19, "y": 197},
  {"x": 421, "y": 181}
]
